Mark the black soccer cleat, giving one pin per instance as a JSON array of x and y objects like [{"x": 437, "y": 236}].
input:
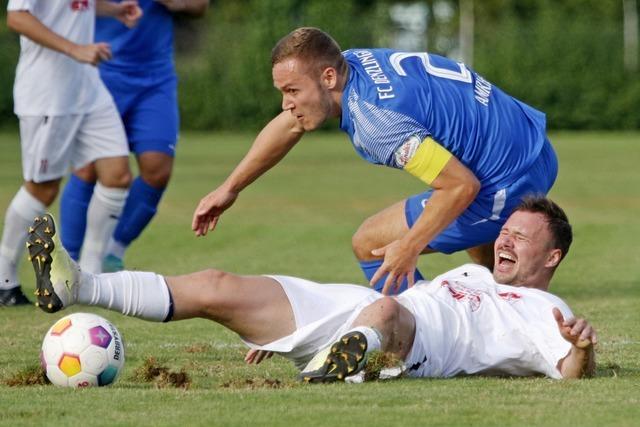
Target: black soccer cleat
[
  {"x": 13, "y": 297},
  {"x": 345, "y": 357},
  {"x": 56, "y": 273}
]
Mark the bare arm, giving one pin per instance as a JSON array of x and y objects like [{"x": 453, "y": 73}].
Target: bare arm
[
  {"x": 127, "y": 11},
  {"x": 195, "y": 8},
  {"x": 455, "y": 188},
  {"x": 29, "y": 26},
  {"x": 269, "y": 147},
  {"x": 581, "y": 360}
]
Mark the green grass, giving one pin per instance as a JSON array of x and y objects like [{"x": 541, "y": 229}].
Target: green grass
[{"x": 298, "y": 220}]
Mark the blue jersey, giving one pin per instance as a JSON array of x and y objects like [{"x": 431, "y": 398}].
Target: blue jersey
[
  {"x": 147, "y": 46},
  {"x": 394, "y": 97}
]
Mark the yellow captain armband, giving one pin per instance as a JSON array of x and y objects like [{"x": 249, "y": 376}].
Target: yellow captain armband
[{"x": 428, "y": 161}]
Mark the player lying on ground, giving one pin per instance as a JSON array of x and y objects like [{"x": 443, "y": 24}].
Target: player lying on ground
[{"x": 462, "y": 322}]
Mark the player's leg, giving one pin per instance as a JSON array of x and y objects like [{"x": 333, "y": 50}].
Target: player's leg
[
  {"x": 101, "y": 140},
  {"x": 45, "y": 143},
  {"x": 74, "y": 204},
  {"x": 377, "y": 231},
  {"x": 255, "y": 307},
  {"x": 152, "y": 127},
  {"x": 384, "y": 325}
]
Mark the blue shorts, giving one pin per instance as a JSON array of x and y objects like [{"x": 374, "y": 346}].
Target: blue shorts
[
  {"x": 148, "y": 105},
  {"x": 481, "y": 222}
]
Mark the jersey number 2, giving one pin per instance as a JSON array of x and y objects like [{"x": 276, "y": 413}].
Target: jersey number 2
[{"x": 463, "y": 75}]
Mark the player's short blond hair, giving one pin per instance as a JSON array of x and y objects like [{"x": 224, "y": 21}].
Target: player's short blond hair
[{"x": 313, "y": 46}]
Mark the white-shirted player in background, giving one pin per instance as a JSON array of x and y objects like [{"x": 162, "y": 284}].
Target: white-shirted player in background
[
  {"x": 462, "y": 322},
  {"x": 67, "y": 118}
]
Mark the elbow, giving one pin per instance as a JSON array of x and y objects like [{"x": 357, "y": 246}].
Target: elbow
[{"x": 469, "y": 189}]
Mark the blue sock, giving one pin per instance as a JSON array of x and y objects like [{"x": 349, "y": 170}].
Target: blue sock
[
  {"x": 370, "y": 267},
  {"x": 141, "y": 206},
  {"x": 73, "y": 214}
]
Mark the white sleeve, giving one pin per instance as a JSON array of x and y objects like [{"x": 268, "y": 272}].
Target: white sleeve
[{"x": 14, "y": 5}]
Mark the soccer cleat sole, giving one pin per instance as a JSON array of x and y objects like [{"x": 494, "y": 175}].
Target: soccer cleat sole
[
  {"x": 40, "y": 245},
  {"x": 346, "y": 358}
]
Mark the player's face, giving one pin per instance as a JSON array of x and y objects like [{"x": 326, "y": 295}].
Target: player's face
[
  {"x": 304, "y": 94},
  {"x": 523, "y": 252}
]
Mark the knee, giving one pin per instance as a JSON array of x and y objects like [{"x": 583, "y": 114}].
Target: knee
[
  {"x": 363, "y": 242},
  {"x": 215, "y": 297},
  {"x": 117, "y": 175},
  {"x": 46, "y": 192},
  {"x": 157, "y": 179},
  {"x": 386, "y": 310}
]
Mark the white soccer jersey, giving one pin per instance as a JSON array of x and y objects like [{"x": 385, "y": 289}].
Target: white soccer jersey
[
  {"x": 49, "y": 83},
  {"x": 466, "y": 323}
]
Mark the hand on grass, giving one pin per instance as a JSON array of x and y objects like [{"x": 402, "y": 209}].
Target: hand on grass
[{"x": 257, "y": 356}]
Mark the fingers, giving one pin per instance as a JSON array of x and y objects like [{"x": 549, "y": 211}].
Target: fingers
[{"x": 254, "y": 356}]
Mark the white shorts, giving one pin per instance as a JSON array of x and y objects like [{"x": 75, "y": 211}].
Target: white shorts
[
  {"x": 323, "y": 313},
  {"x": 52, "y": 144}
]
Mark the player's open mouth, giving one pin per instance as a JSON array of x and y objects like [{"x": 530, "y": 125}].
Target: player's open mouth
[{"x": 505, "y": 259}]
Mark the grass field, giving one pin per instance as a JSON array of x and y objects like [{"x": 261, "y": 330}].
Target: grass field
[{"x": 298, "y": 220}]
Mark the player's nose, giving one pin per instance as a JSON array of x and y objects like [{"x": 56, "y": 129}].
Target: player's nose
[{"x": 287, "y": 103}]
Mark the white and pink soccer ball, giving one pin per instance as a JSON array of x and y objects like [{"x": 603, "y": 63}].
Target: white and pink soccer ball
[{"x": 82, "y": 350}]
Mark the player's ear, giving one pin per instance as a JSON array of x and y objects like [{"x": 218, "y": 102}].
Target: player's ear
[
  {"x": 329, "y": 77},
  {"x": 553, "y": 258}
]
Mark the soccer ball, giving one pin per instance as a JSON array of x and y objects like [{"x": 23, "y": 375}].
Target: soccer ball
[{"x": 82, "y": 350}]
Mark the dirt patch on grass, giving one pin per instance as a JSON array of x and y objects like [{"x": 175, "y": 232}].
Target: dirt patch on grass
[
  {"x": 377, "y": 361},
  {"x": 153, "y": 372},
  {"x": 256, "y": 383},
  {"x": 34, "y": 375}
]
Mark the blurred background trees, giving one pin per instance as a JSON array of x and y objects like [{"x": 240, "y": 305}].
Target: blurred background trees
[{"x": 576, "y": 60}]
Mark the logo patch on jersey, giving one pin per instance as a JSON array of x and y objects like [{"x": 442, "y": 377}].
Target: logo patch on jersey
[
  {"x": 405, "y": 152},
  {"x": 462, "y": 293},
  {"x": 80, "y": 5}
]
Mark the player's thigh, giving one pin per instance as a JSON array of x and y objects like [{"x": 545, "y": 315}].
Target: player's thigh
[
  {"x": 101, "y": 139},
  {"x": 380, "y": 229},
  {"x": 48, "y": 143}
]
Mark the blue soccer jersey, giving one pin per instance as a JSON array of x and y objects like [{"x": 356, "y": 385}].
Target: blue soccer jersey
[
  {"x": 148, "y": 45},
  {"x": 394, "y": 97}
]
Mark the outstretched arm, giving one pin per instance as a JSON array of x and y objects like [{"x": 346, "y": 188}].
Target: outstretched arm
[
  {"x": 29, "y": 26},
  {"x": 192, "y": 7},
  {"x": 581, "y": 360},
  {"x": 270, "y": 146}
]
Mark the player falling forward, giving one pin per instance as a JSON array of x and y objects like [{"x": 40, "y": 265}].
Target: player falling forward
[
  {"x": 67, "y": 119},
  {"x": 462, "y": 322},
  {"x": 479, "y": 149}
]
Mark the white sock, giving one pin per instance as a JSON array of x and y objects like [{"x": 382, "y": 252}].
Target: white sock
[
  {"x": 19, "y": 216},
  {"x": 115, "y": 248},
  {"x": 374, "y": 340},
  {"x": 102, "y": 217},
  {"x": 132, "y": 293}
]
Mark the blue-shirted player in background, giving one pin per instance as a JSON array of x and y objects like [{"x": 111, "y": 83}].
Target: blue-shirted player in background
[
  {"x": 142, "y": 80},
  {"x": 479, "y": 149}
]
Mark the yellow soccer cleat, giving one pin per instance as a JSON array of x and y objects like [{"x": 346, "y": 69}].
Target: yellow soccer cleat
[
  {"x": 57, "y": 275},
  {"x": 342, "y": 359}
]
